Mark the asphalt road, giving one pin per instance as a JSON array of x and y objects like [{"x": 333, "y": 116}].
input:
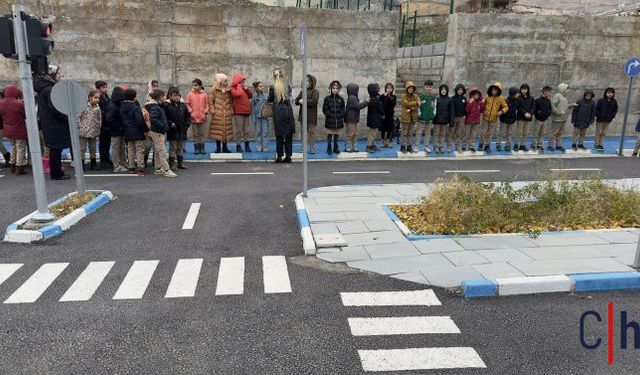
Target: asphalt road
[{"x": 302, "y": 332}]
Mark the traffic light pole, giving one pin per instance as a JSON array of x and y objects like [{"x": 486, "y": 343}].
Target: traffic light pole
[{"x": 42, "y": 202}]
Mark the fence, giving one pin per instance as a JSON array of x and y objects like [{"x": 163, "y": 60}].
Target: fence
[
  {"x": 423, "y": 29},
  {"x": 386, "y": 5}
]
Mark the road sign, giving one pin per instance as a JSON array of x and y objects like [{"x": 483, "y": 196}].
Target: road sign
[{"x": 632, "y": 67}]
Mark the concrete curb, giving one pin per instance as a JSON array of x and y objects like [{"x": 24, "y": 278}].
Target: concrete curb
[
  {"x": 590, "y": 282},
  {"x": 15, "y": 235},
  {"x": 308, "y": 243}
]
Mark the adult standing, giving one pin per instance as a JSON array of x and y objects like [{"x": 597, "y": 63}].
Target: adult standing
[
  {"x": 389, "y": 102},
  {"x": 105, "y": 138},
  {"x": 221, "y": 108},
  {"x": 283, "y": 121},
  {"x": 313, "y": 97},
  {"x": 55, "y": 125},
  {"x": 3, "y": 150}
]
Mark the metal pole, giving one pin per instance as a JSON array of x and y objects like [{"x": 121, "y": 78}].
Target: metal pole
[
  {"x": 415, "y": 18},
  {"x": 636, "y": 261},
  {"x": 303, "y": 56},
  {"x": 158, "y": 62},
  {"x": 404, "y": 20},
  {"x": 42, "y": 202},
  {"x": 624, "y": 124},
  {"x": 451, "y": 6}
]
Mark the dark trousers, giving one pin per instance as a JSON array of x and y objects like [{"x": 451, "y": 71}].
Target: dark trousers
[
  {"x": 284, "y": 145},
  {"x": 105, "y": 146},
  {"x": 55, "y": 163}
]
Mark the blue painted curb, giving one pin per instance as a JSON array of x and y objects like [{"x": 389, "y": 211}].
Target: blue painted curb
[
  {"x": 303, "y": 219},
  {"x": 96, "y": 203},
  {"x": 479, "y": 288},
  {"x": 606, "y": 281},
  {"x": 391, "y": 214},
  {"x": 50, "y": 231}
]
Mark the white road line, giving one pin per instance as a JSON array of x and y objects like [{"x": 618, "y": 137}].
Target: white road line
[
  {"x": 241, "y": 173},
  {"x": 185, "y": 278},
  {"x": 474, "y": 171},
  {"x": 574, "y": 169},
  {"x": 1, "y": 175},
  {"x": 407, "y": 325},
  {"x": 192, "y": 215},
  {"x": 230, "y": 276},
  {"x": 420, "y": 359},
  {"x": 275, "y": 274},
  {"x": 33, "y": 288},
  {"x": 364, "y": 172},
  {"x": 424, "y": 297},
  {"x": 6, "y": 270},
  {"x": 88, "y": 282},
  {"x": 137, "y": 280},
  {"x": 112, "y": 175}
]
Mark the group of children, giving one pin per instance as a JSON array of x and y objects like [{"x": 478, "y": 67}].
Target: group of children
[{"x": 456, "y": 120}]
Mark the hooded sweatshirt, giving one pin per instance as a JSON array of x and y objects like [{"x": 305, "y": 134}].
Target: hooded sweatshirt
[
  {"x": 526, "y": 104},
  {"x": 13, "y": 114},
  {"x": 354, "y": 105},
  {"x": 474, "y": 109},
  {"x": 334, "y": 109},
  {"x": 459, "y": 101},
  {"x": 389, "y": 104},
  {"x": 313, "y": 98},
  {"x": 542, "y": 108},
  {"x": 134, "y": 127},
  {"x": 560, "y": 104},
  {"x": 113, "y": 115},
  {"x": 445, "y": 111},
  {"x": 494, "y": 104},
  {"x": 584, "y": 113},
  {"x": 606, "y": 109},
  {"x": 510, "y": 117},
  {"x": 375, "y": 111},
  {"x": 410, "y": 103},
  {"x": 241, "y": 96},
  {"x": 198, "y": 106}
]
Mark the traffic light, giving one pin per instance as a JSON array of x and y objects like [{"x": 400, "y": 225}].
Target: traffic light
[
  {"x": 7, "y": 43},
  {"x": 39, "y": 37}
]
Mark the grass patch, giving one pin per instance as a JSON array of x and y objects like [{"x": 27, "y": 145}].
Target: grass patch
[
  {"x": 72, "y": 203},
  {"x": 462, "y": 205}
]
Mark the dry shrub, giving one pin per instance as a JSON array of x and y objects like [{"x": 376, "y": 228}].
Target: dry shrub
[{"x": 71, "y": 204}]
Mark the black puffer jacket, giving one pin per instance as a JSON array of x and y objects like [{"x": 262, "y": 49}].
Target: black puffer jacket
[
  {"x": 526, "y": 104},
  {"x": 585, "y": 112},
  {"x": 375, "y": 111},
  {"x": 606, "y": 110},
  {"x": 313, "y": 97},
  {"x": 113, "y": 115},
  {"x": 445, "y": 111},
  {"x": 389, "y": 104},
  {"x": 354, "y": 105},
  {"x": 134, "y": 127},
  {"x": 333, "y": 109},
  {"x": 543, "y": 108},
  {"x": 55, "y": 125},
  {"x": 104, "y": 103},
  {"x": 459, "y": 101},
  {"x": 178, "y": 114},
  {"x": 511, "y": 116},
  {"x": 283, "y": 121}
]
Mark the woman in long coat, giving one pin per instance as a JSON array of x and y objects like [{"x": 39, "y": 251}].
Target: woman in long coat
[
  {"x": 283, "y": 121},
  {"x": 221, "y": 108}
]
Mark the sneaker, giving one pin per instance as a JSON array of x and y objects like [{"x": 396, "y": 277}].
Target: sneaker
[
  {"x": 533, "y": 147},
  {"x": 560, "y": 148},
  {"x": 278, "y": 159},
  {"x": 348, "y": 149},
  {"x": 355, "y": 149},
  {"x": 480, "y": 146},
  {"x": 312, "y": 150},
  {"x": 581, "y": 146},
  {"x": 472, "y": 149},
  {"x": 120, "y": 169},
  {"x": 498, "y": 147},
  {"x": 287, "y": 159},
  {"x": 524, "y": 148},
  {"x": 415, "y": 150},
  {"x": 141, "y": 172},
  {"x": 574, "y": 147},
  {"x": 132, "y": 171},
  {"x": 635, "y": 154},
  {"x": 238, "y": 148},
  {"x": 427, "y": 150},
  {"x": 374, "y": 148},
  {"x": 550, "y": 148},
  {"x": 403, "y": 149},
  {"x": 487, "y": 148},
  {"x": 170, "y": 173},
  {"x": 464, "y": 148},
  {"x": 368, "y": 149},
  {"x": 507, "y": 148},
  {"x": 409, "y": 148}
]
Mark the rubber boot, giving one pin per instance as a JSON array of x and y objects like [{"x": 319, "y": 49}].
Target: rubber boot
[
  {"x": 172, "y": 164},
  {"x": 238, "y": 148},
  {"x": 336, "y": 148},
  {"x": 196, "y": 148},
  {"x": 146, "y": 160},
  {"x": 246, "y": 147},
  {"x": 218, "y": 147},
  {"x": 225, "y": 149},
  {"x": 329, "y": 150},
  {"x": 94, "y": 165},
  {"x": 7, "y": 157},
  {"x": 20, "y": 170},
  {"x": 181, "y": 162}
]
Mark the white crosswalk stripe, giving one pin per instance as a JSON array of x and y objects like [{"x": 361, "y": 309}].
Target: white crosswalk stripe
[
  {"x": 275, "y": 275},
  {"x": 230, "y": 276},
  {"x": 185, "y": 278},
  {"x": 33, "y": 288},
  {"x": 420, "y": 359},
  {"x": 88, "y": 282},
  {"x": 6, "y": 270},
  {"x": 135, "y": 283},
  {"x": 407, "y": 325},
  {"x": 405, "y": 298}
]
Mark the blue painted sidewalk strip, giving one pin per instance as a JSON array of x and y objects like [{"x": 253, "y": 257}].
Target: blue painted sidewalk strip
[
  {"x": 606, "y": 281},
  {"x": 479, "y": 288},
  {"x": 303, "y": 218}
]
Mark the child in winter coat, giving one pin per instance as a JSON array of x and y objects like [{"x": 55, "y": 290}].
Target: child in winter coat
[
  {"x": 507, "y": 120},
  {"x": 524, "y": 114},
  {"x": 13, "y": 118},
  {"x": 283, "y": 122},
  {"x": 135, "y": 132},
  {"x": 334, "y": 110},
  {"x": 583, "y": 115},
  {"x": 89, "y": 127},
  {"x": 220, "y": 106},
  {"x": 179, "y": 120},
  {"x": 260, "y": 123},
  {"x": 5, "y": 154},
  {"x": 495, "y": 106},
  {"x": 375, "y": 116},
  {"x": 352, "y": 117},
  {"x": 157, "y": 133},
  {"x": 542, "y": 113},
  {"x": 198, "y": 106},
  {"x": 313, "y": 98},
  {"x": 241, "y": 97},
  {"x": 474, "y": 110},
  {"x": 444, "y": 118},
  {"x": 425, "y": 118},
  {"x": 559, "y": 114},
  {"x": 115, "y": 126},
  {"x": 606, "y": 110},
  {"x": 459, "y": 103},
  {"x": 637, "y": 146},
  {"x": 389, "y": 102},
  {"x": 410, "y": 104}
]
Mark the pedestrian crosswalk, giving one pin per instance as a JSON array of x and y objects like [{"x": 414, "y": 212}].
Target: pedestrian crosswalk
[
  {"x": 407, "y": 359},
  {"x": 183, "y": 283}
]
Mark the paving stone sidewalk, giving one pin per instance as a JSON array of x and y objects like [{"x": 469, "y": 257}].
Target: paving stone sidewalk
[{"x": 349, "y": 225}]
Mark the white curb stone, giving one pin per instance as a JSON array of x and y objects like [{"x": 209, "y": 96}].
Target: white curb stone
[{"x": 532, "y": 285}]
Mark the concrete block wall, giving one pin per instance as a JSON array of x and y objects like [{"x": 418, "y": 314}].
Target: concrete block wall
[
  {"x": 116, "y": 41},
  {"x": 420, "y": 63}
]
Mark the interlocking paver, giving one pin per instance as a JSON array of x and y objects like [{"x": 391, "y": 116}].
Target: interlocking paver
[
  {"x": 324, "y": 228},
  {"x": 397, "y": 249},
  {"x": 346, "y": 255},
  {"x": 449, "y": 278},
  {"x": 565, "y": 266},
  {"x": 326, "y": 217},
  {"x": 390, "y": 266},
  {"x": 330, "y": 240},
  {"x": 624, "y": 252},
  {"x": 415, "y": 277},
  {"x": 373, "y": 238},
  {"x": 568, "y": 239},
  {"x": 437, "y": 245},
  {"x": 564, "y": 252},
  {"x": 505, "y": 255},
  {"x": 380, "y": 225},
  {"x": 496, "y": 242},
  {"x": 493, "y": 271},
  {"x": 619, "y": 236},
  {"x": 466, "y": 258},
  {"x": 352, "y": 227}
]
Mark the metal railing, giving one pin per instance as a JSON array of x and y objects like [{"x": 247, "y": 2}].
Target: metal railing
[{"x": 387, "y": 5}]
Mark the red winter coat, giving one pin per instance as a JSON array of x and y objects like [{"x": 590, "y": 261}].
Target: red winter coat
[
  {"x": 474, "y": 110},
  {"x": 241, "y": 96},
  {"x": 12, "y": 112}
]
